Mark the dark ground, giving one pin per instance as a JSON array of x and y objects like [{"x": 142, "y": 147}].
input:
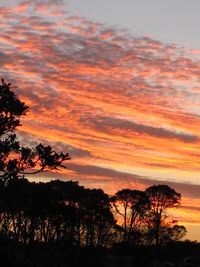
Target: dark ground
[{"x": 61, "y": 255}]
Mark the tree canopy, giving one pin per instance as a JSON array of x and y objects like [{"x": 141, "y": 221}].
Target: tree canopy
[
  {"x": 17, "y": 160},
  {"x": 161, "y": 198}
]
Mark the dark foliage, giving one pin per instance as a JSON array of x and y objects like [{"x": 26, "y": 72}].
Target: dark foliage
[
  {"x": 161, "y": 198},
  {"x": 17, "y": 160},
  {"x": 56, "y": 211}
]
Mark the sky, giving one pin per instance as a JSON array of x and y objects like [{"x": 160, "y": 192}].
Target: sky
[{"x": 114, "y": 83}]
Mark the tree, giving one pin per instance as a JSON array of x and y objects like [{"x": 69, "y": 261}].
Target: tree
[
  {"x": 161, "y": 198},
  {"x": 17, "y": 160},
  {"x": 131, "y": 205},
  {"x": 97, "y": 219}
]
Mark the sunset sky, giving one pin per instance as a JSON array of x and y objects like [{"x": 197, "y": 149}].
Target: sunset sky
[{"x": 117, "y": 85}]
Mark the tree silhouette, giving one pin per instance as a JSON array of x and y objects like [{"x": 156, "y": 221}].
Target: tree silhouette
[
  {"x": 97, "y": 219},
  {"x": 17, "y": 160},
  {"x": 161, "y": 198},
  {"x": 131, "y": 205}
]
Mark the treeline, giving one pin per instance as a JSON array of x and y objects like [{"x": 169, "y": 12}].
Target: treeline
[{"x": 59, "y": 211}]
